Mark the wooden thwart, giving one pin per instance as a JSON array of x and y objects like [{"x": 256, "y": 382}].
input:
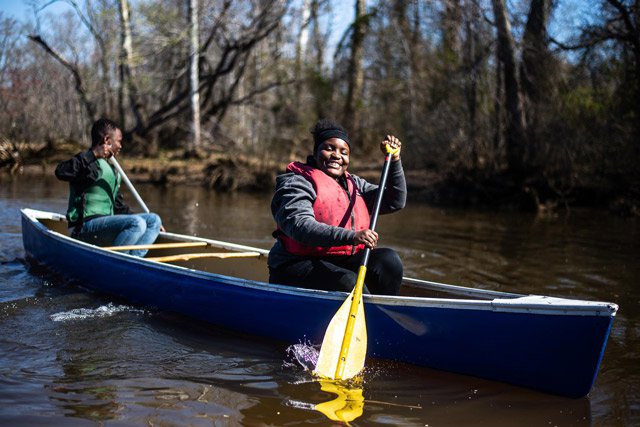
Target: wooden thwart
[
  {"x": 183, "y": 257},
  {"x": 157, "y": 246},
  {"x": 186, "y": 257}
]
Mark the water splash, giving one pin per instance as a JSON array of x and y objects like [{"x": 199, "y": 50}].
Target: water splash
[
  {"x": 304, "y": 354},
  {"x": 89, "y": 313}
]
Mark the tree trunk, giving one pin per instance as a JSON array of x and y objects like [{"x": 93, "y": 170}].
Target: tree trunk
[
  {"x": 319, "y": 43},
  {"x": 127, "y": 87},
  {"x": 471, "y": 82},
  {"x": 535, "y": 73},
  {"x": 194, "y": 82},
  {"x": 408, "y": 22},
  {"x": 301, "y": 48},
  {"x": 498, "y": 135},
  {"x": 356, "y": 71},
  {"x": 516, "y": 137},
  {"x": 451, "y": 23},
  {"x": 534, "y": 50}
]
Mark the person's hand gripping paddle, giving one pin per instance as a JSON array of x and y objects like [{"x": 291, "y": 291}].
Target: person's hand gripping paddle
[{"x": 344, "y": 346}]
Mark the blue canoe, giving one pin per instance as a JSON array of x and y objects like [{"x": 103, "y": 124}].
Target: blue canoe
[{"x": 549, "y": 344}]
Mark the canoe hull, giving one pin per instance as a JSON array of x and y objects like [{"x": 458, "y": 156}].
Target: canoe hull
[{"x": 550, "y": 351}]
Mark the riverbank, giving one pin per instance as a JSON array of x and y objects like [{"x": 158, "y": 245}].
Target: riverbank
[
  {"x": 228, "y": 172},
  {"x": 223, "y": 173},
  {"x": 216, "y": 171}
]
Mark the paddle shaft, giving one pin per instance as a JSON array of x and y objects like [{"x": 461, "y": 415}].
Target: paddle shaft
[
  {"x": 132, "y": 189},
  {"x": 357, "y": 290},
  {"x": 376, "y": 208}
]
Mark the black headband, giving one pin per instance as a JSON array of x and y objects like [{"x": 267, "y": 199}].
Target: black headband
[{"x": 321, "y": 137}]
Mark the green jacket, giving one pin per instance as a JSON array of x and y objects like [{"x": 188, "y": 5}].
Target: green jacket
[{"x": 93, "y": 188}]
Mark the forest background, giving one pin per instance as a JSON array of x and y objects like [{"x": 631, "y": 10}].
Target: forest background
[{"x": 528, "y": 104}]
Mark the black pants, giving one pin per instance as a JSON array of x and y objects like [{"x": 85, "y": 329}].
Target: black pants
[{"x": 339, "y": 273}]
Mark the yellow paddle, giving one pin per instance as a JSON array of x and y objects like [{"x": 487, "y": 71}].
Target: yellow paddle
[{"x": 344, "y": 346}]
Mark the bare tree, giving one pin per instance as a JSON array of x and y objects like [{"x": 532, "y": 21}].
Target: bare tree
[
  {"x": 8, "y": 45},
  {"x": 516, "y": 136},
  {"x": 194, "y": 81},
  {"x": 408, "y": 20},
  {"x": 127, "y": 89},
  {"x": 472, "y": 60},
  {"x": 165, "y": 71},
  {"x": 75, "y": 72},
  {"x": 536, "y": 66},
  {"x": 90, "y": 23},
  {"x": 621, "y": 24},
  {"x": 356, "y": 71},
  {"x": 534, "y": 49},
  {"x": 225, "y": 54},
  {"x": 451, "y": 23},
  {"x": 321, "y": 85},
  {"x": 302, "y": 47}
]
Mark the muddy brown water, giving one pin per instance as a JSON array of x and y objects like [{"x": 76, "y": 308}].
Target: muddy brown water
[{"x": 70, "y": 357}]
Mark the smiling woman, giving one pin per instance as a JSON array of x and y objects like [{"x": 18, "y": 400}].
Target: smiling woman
[
  {"x": 332, "y": 157},
  {"x": 323, "y": 217}
]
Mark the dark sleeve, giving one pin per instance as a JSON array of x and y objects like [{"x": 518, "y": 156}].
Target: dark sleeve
[
  {"x": 395, "y": 194},
  {"x": 292, "y": 209},
  {"x": 120, "y": 207},
  {"x": 81, "y": 169}
]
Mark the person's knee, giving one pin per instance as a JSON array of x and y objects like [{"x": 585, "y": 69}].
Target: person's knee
[
  {"x": 391, "y": 262},
  {"x": 137, "y": 224},
  {"x": 344, "y": 281},
  {"x": 389, "y": 270},
  {"x": 154, "y": 222},
  {"x": 396, "y": 271}
]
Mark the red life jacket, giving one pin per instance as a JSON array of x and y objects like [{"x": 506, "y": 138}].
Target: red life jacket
[{"x": 333, "y": 207}]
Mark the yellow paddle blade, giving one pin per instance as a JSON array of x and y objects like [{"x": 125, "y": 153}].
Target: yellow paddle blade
[
  {"x": 347, "y": 406},
  {"x": 344, "y": 346},
  {"x": 332, "y": 344}
]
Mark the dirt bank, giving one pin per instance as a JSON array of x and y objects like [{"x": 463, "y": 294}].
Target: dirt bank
[{"x": 229, "y": 173}]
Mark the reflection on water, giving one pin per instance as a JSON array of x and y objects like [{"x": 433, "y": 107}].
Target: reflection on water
[
  {"x": 134, "y": 368},
  {"x": 347, "y": 405}
]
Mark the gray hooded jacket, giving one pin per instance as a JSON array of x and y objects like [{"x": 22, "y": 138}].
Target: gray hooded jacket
[{"x": 292, "y": 209}]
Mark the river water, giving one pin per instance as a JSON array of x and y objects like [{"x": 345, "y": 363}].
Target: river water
[{"x": 70, "y": 357}]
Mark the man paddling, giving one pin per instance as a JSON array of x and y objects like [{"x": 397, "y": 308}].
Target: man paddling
[
  {"x": 323, "y": 213},
  {"x": 96, "y": 212}
]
